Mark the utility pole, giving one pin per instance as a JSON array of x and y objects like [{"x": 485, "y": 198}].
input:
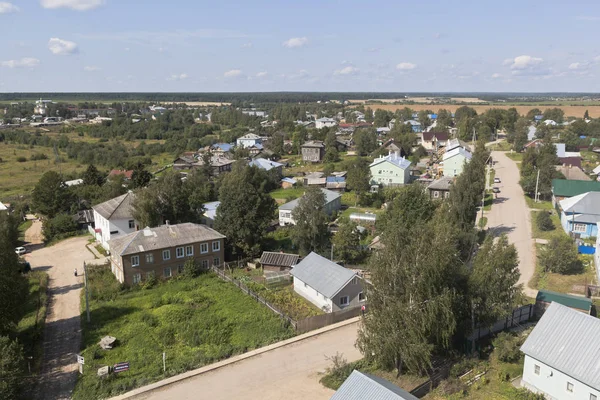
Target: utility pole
[
  {"x": 87, "y": 296},
  {"x": 537, "y": 182},
  {"x": 164, "y": 362}
]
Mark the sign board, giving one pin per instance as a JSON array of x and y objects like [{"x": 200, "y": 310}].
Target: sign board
[
  {"x": 80, "y": 359},
  {"x": 121, "y": 367},
  {"x": 103, "y": 371}
]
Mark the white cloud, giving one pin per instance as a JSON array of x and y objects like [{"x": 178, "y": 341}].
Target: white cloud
[
  {"x": 587, "y": 18},
  {"x": 247, "y": 45},
  {"x": 27, "y": 62},
  {"x": 79, "y": 5},
  {"x": 496, "y": 76},
  {"x": 262, "y": 74},
  {"x": 178, "y": 77},
  {"x": 406, "y": 66},
  {"x": 91, "y": 68},
  {"x": 234, "y": 73},
  {"x": 523, "y": 62},
  {"x": 349, "y": 70},
  {"x": 579, "y": 66},
  {"x": 62, "y": 47},
  {"x": 8, "y": 8},
  {"x": 295, "y": 42}
]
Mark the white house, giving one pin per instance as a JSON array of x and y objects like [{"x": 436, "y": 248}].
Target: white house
[
  {"x": 333, "y": 202},
  {"x": 360, "y": 386},
  {"x": 550, "y": 122},
  {"x": 325, "y": 123},
  {"x": 455, "y": 160},
  {"x": 561, "y": 355},
  {"x": 326, "y": 284},
  {"x": 249, "y": 140},
  {"x": 113, "y": 218},
  {"x": 391, "y": 170}
]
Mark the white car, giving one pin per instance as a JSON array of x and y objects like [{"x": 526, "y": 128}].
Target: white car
[
  {"x": 20, "y": 250},
  {"x": 496, "y": 180}
]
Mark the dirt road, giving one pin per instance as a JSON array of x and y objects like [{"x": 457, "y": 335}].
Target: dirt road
[
  {"x": 290, "y": 372},
  {"x": 511, "y": 215},
  {"x": 62, "y": 335}
]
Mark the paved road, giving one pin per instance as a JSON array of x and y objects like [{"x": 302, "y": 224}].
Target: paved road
[
  {"x": 511, "y": 215},
  {"x": 290, "y": 372},
  {"x": 62, "y": 334}
]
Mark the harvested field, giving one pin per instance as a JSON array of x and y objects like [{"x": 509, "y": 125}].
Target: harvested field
[
  {"x": 201, "y": 103},
  {"x": 423, "y": 100},
  {"x": 570, "y": 111}
]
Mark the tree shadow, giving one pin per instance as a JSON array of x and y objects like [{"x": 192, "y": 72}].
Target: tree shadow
[
  {"x": 65, "y": 289},
  {"x": 500, "y": 230}
]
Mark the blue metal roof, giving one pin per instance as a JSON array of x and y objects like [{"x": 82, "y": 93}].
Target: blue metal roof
[{"x": 336, "y": 179}]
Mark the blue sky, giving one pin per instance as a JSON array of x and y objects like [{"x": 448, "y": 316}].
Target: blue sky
[{"x": 308, "y": 45}]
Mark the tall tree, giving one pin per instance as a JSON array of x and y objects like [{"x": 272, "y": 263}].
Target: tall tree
[
  {"x": 423, "y": 119},
  {"x": 140, "y": 177},
  {"x": 346, "y": 243},
  {"x": 92, "y": 176},
  {"x": 365, "y": 140},
  {"x": 358, "y": 176},
  {"x": 310, "y": 232},
  {"x": 13, "y": 286},
  {"x": 51, "y": 195},
  {"x": 11, "y": 368},
  {"x": 331, "y": 152}
]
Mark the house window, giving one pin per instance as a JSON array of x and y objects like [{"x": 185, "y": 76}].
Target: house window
[
  {"x": 216, "y": 246},
  {"x": 579, "y": 228},
  {"x": 203, "y": 248},
  {"x": 569, "y": 387},
  {"x": 166, "y": 255},
  {"x": 446, "y": 195},
  {"x": 344, "y": 301},
  {"x": 593, "y": 397},
  {"x": 167, "y": 272},
  {"x": 204, "y": 264},
  {"x": 137, "y": 278},
  {"x": 354, "y": 280},
  {"x": 216, "y": 261},
  {"x": 536, "y": 369},
  {"x": 131, "y": 224},
  {"x": 135, "y": 261},
  {"x": 180, "y": 269},
  {"x": 149, "y": 258},
  {"x": 189, "y": 250},
  {"x": 436, "y": 194},
  {"x": 179, "y": 252},
  {"x": 361, "y": 296},
  {"x": 150, "y": 275}
]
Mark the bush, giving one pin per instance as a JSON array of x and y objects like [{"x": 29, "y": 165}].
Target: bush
[
  {"x": 337, "y": 373},
  {"x": 60, "y": 226},
  {"x": 11, "y": 359},
  {"x": 560, "y": 256},
  {"x": 506, "y": 347},
  {"x": 452, "y": 385},
  {"x": 38, "y": 156},
  {"x": 191, "y": 268},
  {"x": 462, "y": 367},
  {"x": 543, "y": 221},
  {"x": 21, "y": 159}
]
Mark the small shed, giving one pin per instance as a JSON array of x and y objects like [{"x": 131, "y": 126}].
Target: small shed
[
  {"x": 274, "y": 261},
  {"x": 545, "y": 297}
]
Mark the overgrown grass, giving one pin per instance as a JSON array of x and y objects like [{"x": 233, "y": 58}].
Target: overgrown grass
[
  {"x": 564, "y": 283},
  {"x": 101, "y": 250},
  {"x": 502, "y": 146},
  {"x": 515, "y": 156},
  {"x": 488, "y": 201},
  {"x": 23, "y": 228},
  {"x": 288, "y": 194},
  {"x": 541, "y": 205},
  {"x": 547, "y": 235},
  {"x": 288, "y": 301},
  {"x": 194, "y": 321},
  {"x": 31, "y": 327}
]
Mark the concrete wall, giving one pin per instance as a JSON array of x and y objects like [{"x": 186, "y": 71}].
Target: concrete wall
[
  {"x": 312, "y": 295},
  {"x": 553, "y": 383}
]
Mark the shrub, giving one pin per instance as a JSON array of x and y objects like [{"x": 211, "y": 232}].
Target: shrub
[
  {"x": 450, "y": 386},
  {"x": 560, "y": 256},
  {"x": 337, "y": 373},
  {"x": 21, "y": 159},
  {"x": 462, "y": 367},
  {"x": 543, "y": 221},
  {"x": 11, "y": 359},
  {"x": 191, "y": 268},
  {"x": 61, "y": 225},
  {"x": 38, "y": 156},
  {"x": 507, "y": 347}
]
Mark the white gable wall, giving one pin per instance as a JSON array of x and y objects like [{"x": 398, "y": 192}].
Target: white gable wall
[
  {"x": 119, "y": 227},
  {"x": 553, "y": 383},
  {"x": 310, "y": 294},
  {"x": 387, "y": 173}
]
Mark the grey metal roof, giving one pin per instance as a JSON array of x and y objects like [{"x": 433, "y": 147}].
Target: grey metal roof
[
  {"x": 314, "y": 143},
  {"x": 162, "y": 237},
  {"x": 568, "y": 341},
  {"x": 456, "y": 151},
  {"x": 360, "y": 386},
  {"x": 325, "y": 276},
  {"x": 393, "y": 158},
  {"x": 117, "y": 208},
  {"x": 586, "y": 203},
  {"x": 444, "y": 183},
  {"x": 279, "y": 259},
  {"x": 329, "y": 197}
]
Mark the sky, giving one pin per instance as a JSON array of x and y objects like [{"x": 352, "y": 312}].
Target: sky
[{"x": 306, "y": 45}]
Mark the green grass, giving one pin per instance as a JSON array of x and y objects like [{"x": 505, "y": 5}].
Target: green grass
[
  {"x": 195, "y": 321},
  {"x": 101, "y": 250},
  {"x": 515, "y": 156},
  {"x": 541, "y": 205},
  {"x": 287, "y": 194},
  {"x": 547, "y": 235},
  {"x": 563, "y": 283},
  {"x": 488, "y": 201},
  {"x": 31, "y": 327},
  {"x": 502, "y": 146},
  {"x": 288, "y": 301},
  {"x": 22, "y": 228},
  {"x": 482, "y": 222}
]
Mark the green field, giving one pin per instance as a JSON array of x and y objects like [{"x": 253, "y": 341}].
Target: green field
[
  {"x": 538, "y": 234},
  {"x": 194, "y": 321}
]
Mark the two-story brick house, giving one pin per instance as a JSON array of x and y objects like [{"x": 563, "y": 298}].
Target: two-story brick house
[{"x": 162, "y": 251}]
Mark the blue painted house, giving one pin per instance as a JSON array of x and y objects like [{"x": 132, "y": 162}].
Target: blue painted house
[
  {"x": 580, "y": 214},
  {"x": 415, "y": 125}
]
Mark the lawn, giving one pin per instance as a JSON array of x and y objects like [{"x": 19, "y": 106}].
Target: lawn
[
  {"x": 194, "y": 321},
  {"x": 541, "y": 205},
  {"x": 515, "y": 156},
  {"x": 564, "y": 283},
  {"x": 589, "y": 160},
  {"x": 31, "y": 326},
  {"x": 287, "y": 194},
  {"x": 502, "y": 146},
  {"x": 538, "y": 234}
]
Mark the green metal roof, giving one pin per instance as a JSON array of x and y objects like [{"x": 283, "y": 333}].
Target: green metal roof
[
  {"x": 580, "y": 303},
  {"x": 568, "y": 188}
]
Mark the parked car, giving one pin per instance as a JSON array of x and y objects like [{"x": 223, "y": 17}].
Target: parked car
[
  {"x": 496, "y": 190},
  {"x": 497, "y": 180},
  {"x": 20, "y": 250}
]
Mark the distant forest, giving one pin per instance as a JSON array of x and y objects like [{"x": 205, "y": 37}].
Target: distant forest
[{"x": 278, "y": 97}]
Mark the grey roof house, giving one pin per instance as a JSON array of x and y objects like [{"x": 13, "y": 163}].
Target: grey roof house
[
  {"x": 440, "y": 189},
  {"x": 580, "y": 214},
  {"x": 562, "y": 355},
  {"x": 361, "y": 386},
  {"x": 114, "y": 217},
  {"x": 278, "y": 261},
  {"x": 333, "y": 202},
  {"x": 326, "y": 284}
]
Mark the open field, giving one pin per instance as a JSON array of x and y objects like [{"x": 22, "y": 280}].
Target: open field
[
  {"x": 194, "y": 321},
  {"x": 199, "y": 103},
  {"x": 570, "y": 110},
  {"x": 422, "y": 100}
]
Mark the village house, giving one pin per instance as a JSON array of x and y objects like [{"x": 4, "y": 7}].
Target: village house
[
  {"x": 114, "y": 218},
  {"x": 579, "y": 215},
  {"x": 561, "y": 356},
  {"x": 249, "y": 140},
  {"x": 278, "y": 261},
  {"x": 361, "y": 386},
  {"x": 573, "y": 173},
  {"x": 288, "y": 183},
  {"x": 333, "y": 202},
  {"x": 563, "y": 189},
  {"x": 267, "y": 165},
  {"x": 327, "y": 285},
  {"x": 432, "y": 141},
  {"x": 454, "y": 161},
  {"x": 313, "y": 151},
  {"x": 391, "y": 146},
  {"x": 391, "y": 170},
  {"x": 162, "y": 252},
  {"x": 414, "y": 125},
  {"x": 440, "y": 189},
  {"x": 325, "y": 123},
  {"x": 126, "y": 174}
]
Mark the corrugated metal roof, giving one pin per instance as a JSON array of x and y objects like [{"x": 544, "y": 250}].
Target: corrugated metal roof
[
  {"x": 585, "y": 203},
  {"x": 329, "y": 197},
  {"x": 117, "y": 208},
  {"x": 444, "y": 183},
  {"x": 393, "y": 158},
  {"x": 325, "y": 276},
  {"x": 548, "y": 296},
  {"x": 570, "y": 188},
  {"x": 265, "y": 164},
  {"x": 456, "y": 151},
  {"x": 162, "y": 237},
  {"x": 361, "y": 386},
  {"x": 279, "y": 259},
  {"x": 568, "y": 341}
]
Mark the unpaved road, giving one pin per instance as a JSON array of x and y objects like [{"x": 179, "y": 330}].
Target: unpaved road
[
  {"x": 511, "y": 215},
  {"x": 290, "y": 372},
  {"x": 62, "y": 334}
]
